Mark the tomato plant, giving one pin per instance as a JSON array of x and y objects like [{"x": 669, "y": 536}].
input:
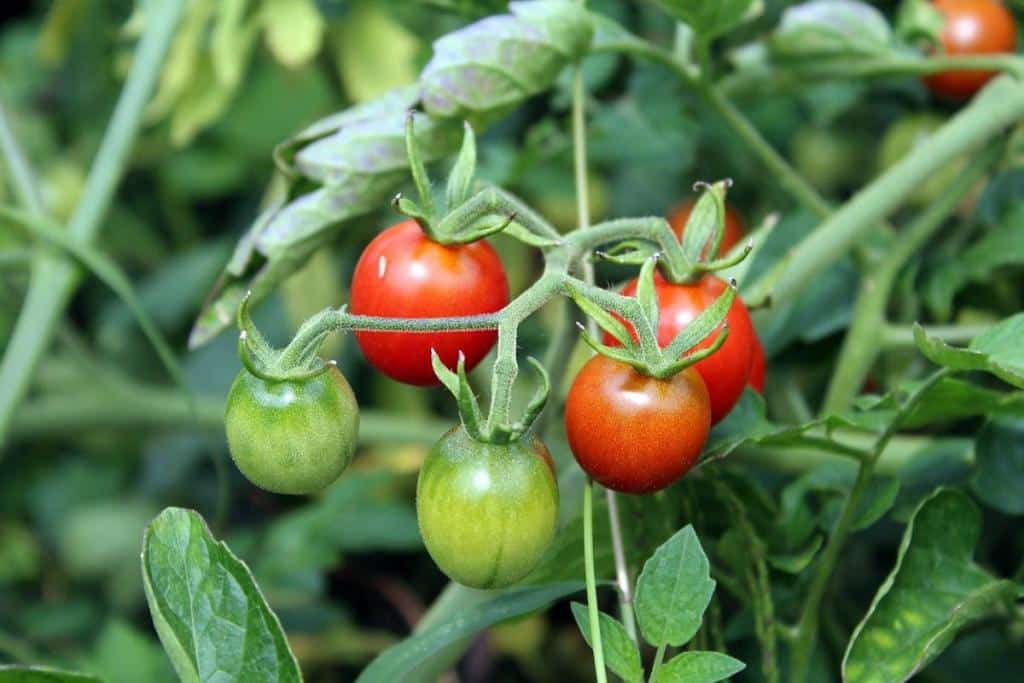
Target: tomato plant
[
  {"x": 178, "y": 339},
  {"x": 971, "y": 27},
  {"x": 487, "y": 512},
  {"x": 634, "y": 433},
  {"x": 292, "y": 436},
  {"x": 402, "y": 273}
]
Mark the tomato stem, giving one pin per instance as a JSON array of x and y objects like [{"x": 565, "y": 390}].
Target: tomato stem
[{"x": 588, "y": 559}]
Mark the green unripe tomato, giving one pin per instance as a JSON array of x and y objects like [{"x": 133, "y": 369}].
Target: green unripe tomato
[
  {"x": 904, "y": 136},
  {"x": 487, "y": 512},
  {"x": 829, "y": 159},
  {"x": 295, "y": 436}
]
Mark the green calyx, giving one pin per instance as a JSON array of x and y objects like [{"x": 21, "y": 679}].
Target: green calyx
[
  {"x": 469, "y": 409},
  {"x": 438, "y": 221},
  {"x": 300, "y": 360},
  {"x": 698, "y": 252},
  {"x": 640, "y": 348}
]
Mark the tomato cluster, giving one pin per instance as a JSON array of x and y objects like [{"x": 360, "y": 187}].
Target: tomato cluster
[
  {"x": 638, "y": 434},
  {"x": 488, "y": 505}
]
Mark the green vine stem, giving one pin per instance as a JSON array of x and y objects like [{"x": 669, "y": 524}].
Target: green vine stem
[
  {"x": 22, "y": 175},
  {"x": 995, "y": 108},
  {"x": 53, "y": 278},
  {"x": 807, "y": 626},
  {"x": 860, "y": 348},
  {"x": 902, "y": 336},
  {"x": 588, "y": 560}
]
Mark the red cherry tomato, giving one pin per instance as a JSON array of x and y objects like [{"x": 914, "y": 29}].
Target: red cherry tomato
[
  {"x": 726, "y": 371},
  {"x": 635, "y": 433},
  {"x": 973, "y": 27},
  {"x": 403, "y": 274},
  {"x": 757, "y": 367},
  {"x": 732, "y": 232}
]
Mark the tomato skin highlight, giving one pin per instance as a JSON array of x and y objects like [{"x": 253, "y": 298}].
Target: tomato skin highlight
[
  {"x": 292, "y": 437},
  {"x": 973, "y": 27},
  {"x": 758, "y": 367},
  {"x": 487, "y": 512},
  {"x": 726, "y": 371},
  {"x": 634, "y": 433},
  {"x": 733, "y": 228},
  {"x": 403, "y": 274}
]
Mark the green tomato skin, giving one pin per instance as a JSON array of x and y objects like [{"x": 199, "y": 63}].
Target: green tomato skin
[
  {"x": 487, "y": 512},
  {"x": 292, "y": 437}
]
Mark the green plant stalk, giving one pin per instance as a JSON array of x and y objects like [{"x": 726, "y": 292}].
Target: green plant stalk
[
  {"x": 998, "y": 106},
  {"x": 860, "y": 348},
  {"x": 807, "y": 626},
  {"x": 22, "y": 176},
  {"x": 777, "y": 79},
  {"x": 133, "y": 407},
  {"x": 659, "y": 657},
  {"x": 588, "y": 560},
  {"x": 902, "y": 336},
  {"x": 53, "y": 278}
]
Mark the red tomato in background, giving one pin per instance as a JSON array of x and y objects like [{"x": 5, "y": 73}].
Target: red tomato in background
[
  {"x": 973, "y": 27},
  {"x": 757, "y": 367},
  {"x": 732, "y": 232},
  {"x": 634, "y": 433},
  {"x": 726, "y": 371},
  {"x": 403, "y": 274}
]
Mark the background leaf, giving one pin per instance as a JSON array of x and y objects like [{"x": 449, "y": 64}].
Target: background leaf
[
  {"x": 933, "y": 591},
  {"x": 698, "y": 667},
  {"x": 207, "y": 609},
  {"x": 620, "y": 653}
]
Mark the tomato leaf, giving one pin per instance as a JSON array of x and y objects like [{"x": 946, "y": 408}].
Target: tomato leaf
[
  {"x": 673, "y": 590},
  {"x": 698, "y": 667},
  {"x": 207, "y": 609},
  {"x": 998, "y": 351},
  {"x": 620, "y": 652},
  {"x": 497, "y": 62},
  {"x": 999, "y": 466},
  {"x": 707, "y": 19},
  {"x": 411, "y": 659},
  {"x": 820, "y": 29},
  {"x": 42, "y": 674},
  {"x": 933, "y": 591}
]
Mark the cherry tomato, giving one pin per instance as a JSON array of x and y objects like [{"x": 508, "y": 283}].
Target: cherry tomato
[
  {"x": 726, "y": 371},
  {"x": 403, "y": 274},
  {"x": 487, "y": 512},
  {"x": 732, "y": 232},
  {"x": 758, "y": 367},
  {"x": 635, "y": 433},
  {"x": 973, "y": 27},
  {"x": 295, "y": 436}
]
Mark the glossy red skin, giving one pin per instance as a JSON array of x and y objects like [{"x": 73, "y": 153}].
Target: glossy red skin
[
  {"x": 726, "y": 371},
  {"x": 973, "y": 27},
  {"x": 732, "y": 232},
  {"x": 403, "y": 274},
  {"x": 757, "y": 367},
  {"x": 634, "y": 433}
]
